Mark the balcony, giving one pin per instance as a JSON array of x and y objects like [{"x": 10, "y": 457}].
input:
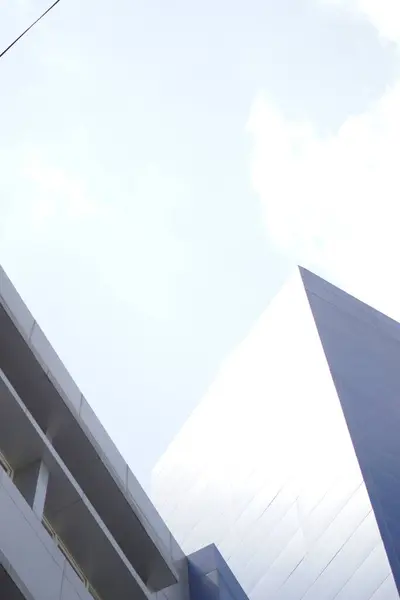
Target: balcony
[
  {"x": 70, "y": 518},
  {"x": 57, "y": 406}
]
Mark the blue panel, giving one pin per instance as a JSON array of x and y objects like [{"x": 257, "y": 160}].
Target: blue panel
[
  {"x": 205, "y": 560},
  {"x": 210, "y": 578},
  {"x": 363, "y": 352},
  {"x": 201, "y": 587}
]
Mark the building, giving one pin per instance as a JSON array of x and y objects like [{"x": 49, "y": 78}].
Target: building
[
  {"x": 291, "y": 462},
  {"x": 74, "y": 522}
]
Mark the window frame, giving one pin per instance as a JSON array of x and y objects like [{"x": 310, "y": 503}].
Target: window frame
[
  {"x": 68, "y": 556},
  {"x": 5, "y": 465}
]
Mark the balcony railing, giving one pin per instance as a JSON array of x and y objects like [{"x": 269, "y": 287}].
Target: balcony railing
[
  {"x": 67, "y": 554},
  {"x": 5, "y": 465}
]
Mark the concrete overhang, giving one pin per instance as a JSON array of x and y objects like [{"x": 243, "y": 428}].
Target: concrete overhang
[
  {"x": 57, "y": 405},
  {"x": 71, "y": 514}
]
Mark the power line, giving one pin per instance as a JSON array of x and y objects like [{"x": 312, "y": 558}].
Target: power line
[{"x": 30, "y": 27}]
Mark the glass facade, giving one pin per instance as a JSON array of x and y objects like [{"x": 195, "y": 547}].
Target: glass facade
[{"x": 289, "y": 464}]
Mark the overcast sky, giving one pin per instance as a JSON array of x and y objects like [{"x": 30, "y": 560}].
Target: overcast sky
[{"x": 164, "y": 165}]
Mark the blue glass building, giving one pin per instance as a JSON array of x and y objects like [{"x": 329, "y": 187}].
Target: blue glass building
[{"x": 291, "y": 462}]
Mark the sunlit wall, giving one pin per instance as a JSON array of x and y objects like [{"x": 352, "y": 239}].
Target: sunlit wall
[{"x": 265, "y": 467}]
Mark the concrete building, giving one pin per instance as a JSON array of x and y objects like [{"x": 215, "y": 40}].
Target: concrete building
[
  {"x": 74, "y": 522},
  {"x": 291, "y": 462}
]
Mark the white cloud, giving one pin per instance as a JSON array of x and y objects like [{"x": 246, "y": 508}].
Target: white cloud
[
  {"x": 334, "y": 203},
  {"x": 383, "y": 14}
]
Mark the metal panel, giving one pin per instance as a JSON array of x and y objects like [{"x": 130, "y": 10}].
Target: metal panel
[
  {"x": 267, "y": 469},
  {"x": 363, "y": 351}
]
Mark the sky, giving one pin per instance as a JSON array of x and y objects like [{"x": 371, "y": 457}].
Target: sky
[{"x": 165, "y": 165}]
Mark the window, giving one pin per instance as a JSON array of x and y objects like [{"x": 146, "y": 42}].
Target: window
[
  {"x": 5, "y": 465},
  {"x": 70, "y": 559}
]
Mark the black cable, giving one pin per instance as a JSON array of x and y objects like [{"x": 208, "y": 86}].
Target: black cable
[{"x": 30, "y": 27}]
